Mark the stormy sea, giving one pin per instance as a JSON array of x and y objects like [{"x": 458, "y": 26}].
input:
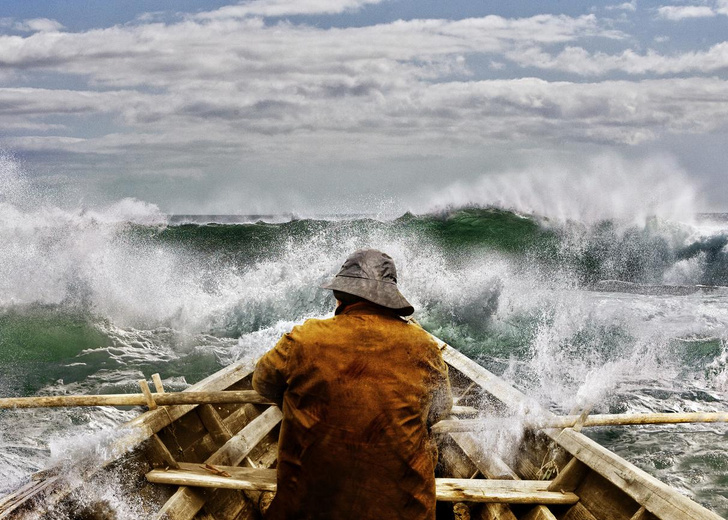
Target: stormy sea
[{"x": 619, "y": 315}]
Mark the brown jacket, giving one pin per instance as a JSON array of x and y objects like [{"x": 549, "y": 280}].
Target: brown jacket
[{"x": 358, "y": 392}]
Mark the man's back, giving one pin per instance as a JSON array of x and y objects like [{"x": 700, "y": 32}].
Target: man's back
[{"x": 354, "y": 441}]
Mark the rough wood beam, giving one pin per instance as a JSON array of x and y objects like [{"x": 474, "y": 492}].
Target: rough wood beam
[
  {"x": 238, "y": 447},
  {"x": 641, "y": 514},
  {"x": 448, "y": 489},
  {"x": 161, "y": 452},
  {"x": 193, "y": 475},
  {"x": 214, "y": 424},
  {"x": 491, "y": 383},
  {"x": 15, "y": 501},
  {"x": 569, "y": 477},
  {"x": 500, "y": 491},
  {"x": 185, "y": 503},
  {"x": 496, "y": 512},
  {"x": 455, "y": 462},
  {"x": 578, "y": 512},
  {"x": 463, "y": 410},
  {"x": 234, "y": 423},
  {"x": 490, "y": 465},
  {"x": 658, "y": 498},
  {"x": 52, "y": 489},
  {"x": 539, "y": 513},
  {"x": 153, "y": 421},
  {"x": 158, "y": 385}
]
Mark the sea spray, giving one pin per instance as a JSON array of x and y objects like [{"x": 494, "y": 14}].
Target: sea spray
[
  {"x": 606, "y": 187},
  {"x": 118, "y": 294}
]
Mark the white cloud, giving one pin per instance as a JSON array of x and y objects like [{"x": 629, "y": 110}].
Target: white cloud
[
  {"x": 442, "y": 119},
  {"x": 231, "y": 50},
  {"x": 238, "y": 85},
  {"x": 577, "y": 60},
  {"x": 29, "y": 102},
  {"x": 38, "y": 25},
  {"x": 232, "y": 93},
  {"x": 626, "y": 6},
  {"x": 271, "y": 8},
  {"x": 682, "y": 12}
]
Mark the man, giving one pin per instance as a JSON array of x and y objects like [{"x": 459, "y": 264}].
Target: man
[{"x": 358, "y": 393}]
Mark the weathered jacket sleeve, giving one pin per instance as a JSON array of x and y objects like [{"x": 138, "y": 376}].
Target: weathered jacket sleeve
[
  {"x": 441, "y": 392},
  {"x": 271, "y": 373}
]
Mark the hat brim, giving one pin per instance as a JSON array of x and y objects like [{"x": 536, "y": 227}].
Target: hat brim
[{"x": 385, "y": 294}]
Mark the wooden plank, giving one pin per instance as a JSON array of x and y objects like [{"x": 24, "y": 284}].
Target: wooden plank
[
  {"x": 604, "y": 500},
  {"x": 496, "y": 512},
  {"x": 568, "y": 478},
  {"x": 153, "y": 421},
  {"x": 140, "y": 429},
  {"x": 490, "y": 464},
  {"x": 186, "y": 503},
  {"x": 500, "y": 491},
  {"x": 463, "y": 410},
  {"x": 455, "y": 462},
  {"x": 528, "y": 466},
  {"x": 205, "y": 445},
  {"x": 448, "y": 489},
  {"x": 146, "y": 398},
  {"x": 158, "y": 386},
  {"x": 231, "y": 504},
  {"x": 214, "y": 424},
  {"x": 238, "y": 447},
  {"x": 539, "y": 513},
  {"x": 185, "y": 432},
  {"x": 162, "y": 453},
  {"x": 574, "y": 421},
  {"x": 15, "y": 501},
  {"x": 659, "y": 499},
  {"x": 578, "y": 512},
  {"x": 12, "y": 502},
  {"x": 494, "y": 385},
  {"x": 193, "y": 475},
  {"x": 641, "y": 514}
]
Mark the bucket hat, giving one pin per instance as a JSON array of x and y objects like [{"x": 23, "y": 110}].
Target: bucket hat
[{"x": 370, "y": 274}]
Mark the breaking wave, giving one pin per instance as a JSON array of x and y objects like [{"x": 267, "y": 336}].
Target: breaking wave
[{"x": 580, "y": 306}]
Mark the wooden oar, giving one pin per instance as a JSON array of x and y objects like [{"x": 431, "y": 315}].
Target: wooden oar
[
  {"x": 568, "y": 421},
  {"x": 159, "y": 399}
]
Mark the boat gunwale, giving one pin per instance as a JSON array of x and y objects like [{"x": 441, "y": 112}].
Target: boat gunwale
[
  {"x": 663, "y": 501},
  {"x": 138, "y": 430}
]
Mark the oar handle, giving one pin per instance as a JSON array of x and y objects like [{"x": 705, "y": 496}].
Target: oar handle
[
  {"x": 161, "y": 399},
  {"x": 568, "y": 421}
]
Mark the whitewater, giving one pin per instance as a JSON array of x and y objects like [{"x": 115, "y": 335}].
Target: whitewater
[{"x": 510, "y": 271}]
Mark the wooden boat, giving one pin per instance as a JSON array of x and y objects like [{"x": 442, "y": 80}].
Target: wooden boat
[{"x": 214, "y": 462}]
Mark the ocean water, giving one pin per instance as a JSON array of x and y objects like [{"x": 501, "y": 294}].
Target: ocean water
[{"x": 93, "y": 299}]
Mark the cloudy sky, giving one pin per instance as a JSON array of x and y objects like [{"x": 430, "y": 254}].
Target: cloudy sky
[{"x": 270, "y": 106}]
